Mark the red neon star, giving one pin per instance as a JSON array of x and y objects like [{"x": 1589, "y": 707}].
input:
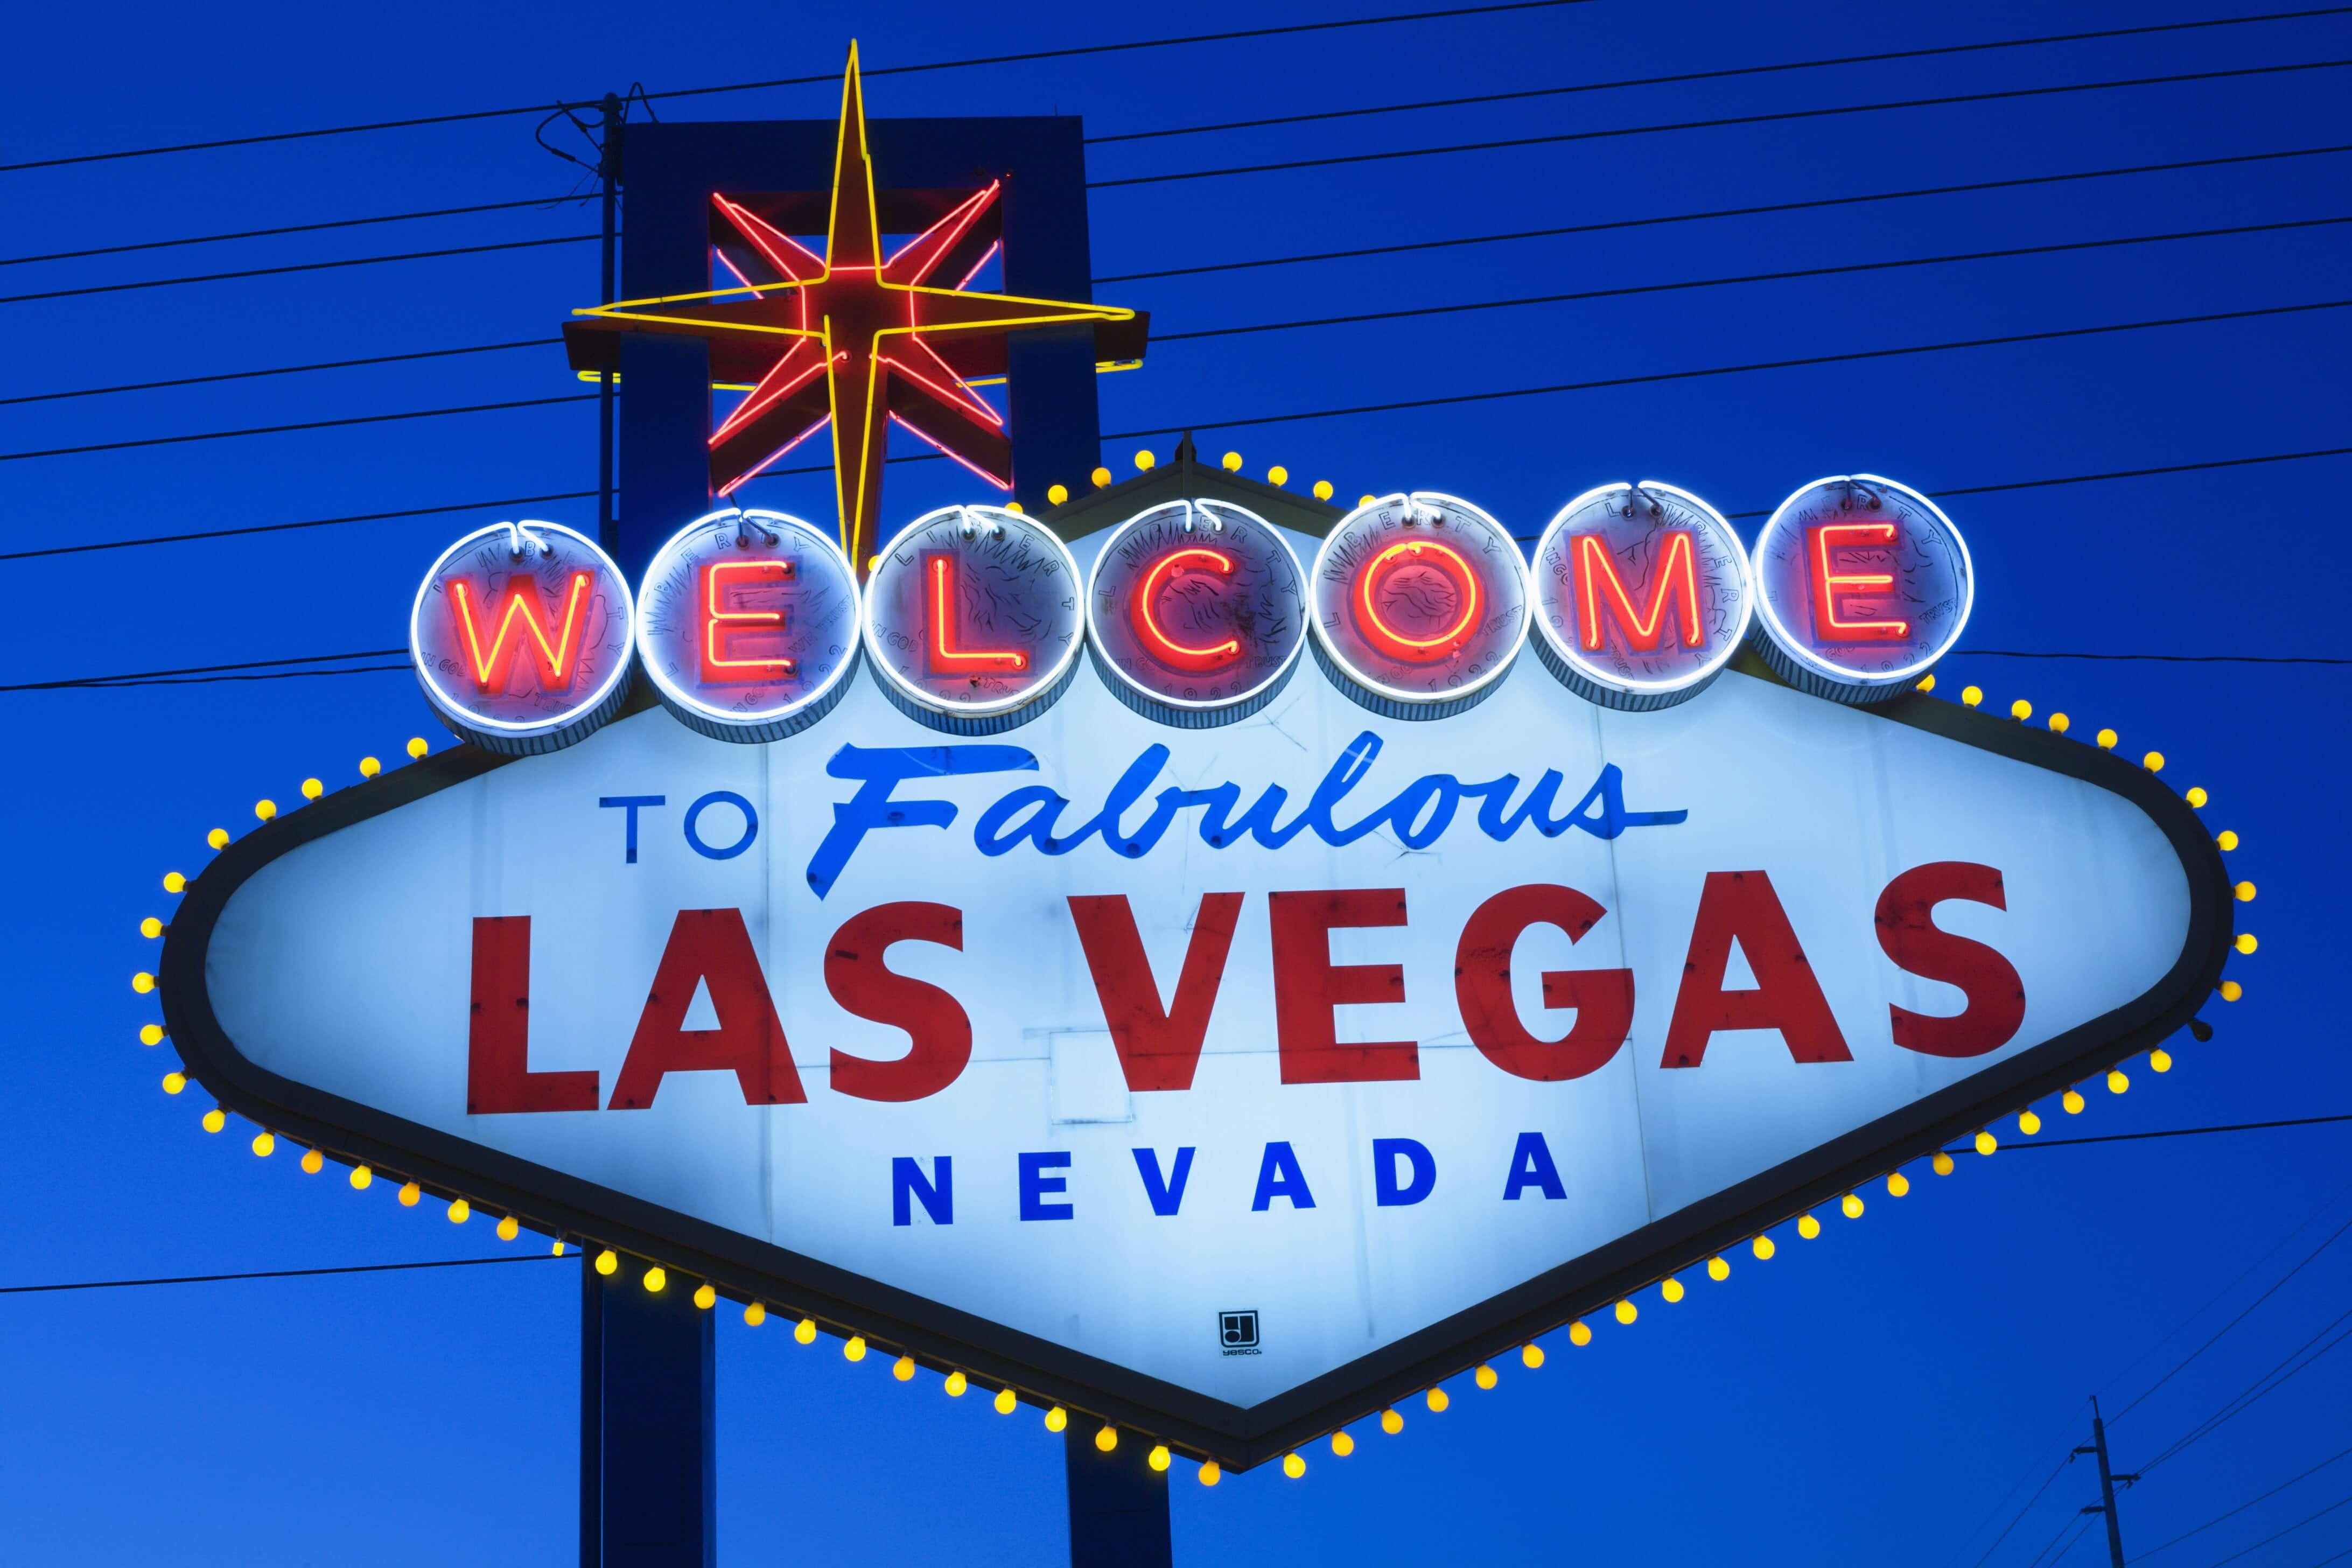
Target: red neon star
[{"x": 855, "y": 339}]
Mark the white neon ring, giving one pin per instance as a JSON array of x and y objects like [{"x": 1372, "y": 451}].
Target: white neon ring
[
  {"x": 1502, "y": 662},
  {"x": 1796, "y": 650},
  {"x": 1047, "y": 682},
  {"x": 1291, "y": 660},
  {"x": 458, "y": 710},
  {"x": 1747, "y": 593}
]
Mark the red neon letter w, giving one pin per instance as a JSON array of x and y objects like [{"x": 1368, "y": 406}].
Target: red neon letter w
[
  {"x": 1678, "y": 585},
  {"x": 522, "y": 614}
]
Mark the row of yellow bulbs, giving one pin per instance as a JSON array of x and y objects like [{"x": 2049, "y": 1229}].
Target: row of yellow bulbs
[
  {"x": 1146, "y": 460},
  {"x": 1056, "y": 1418}
]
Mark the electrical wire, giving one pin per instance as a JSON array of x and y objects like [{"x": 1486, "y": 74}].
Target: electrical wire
[
  {"x": 1719, "y": 75},
  {"x": 2073, "y": 1525},
  {"x": 151, "y": 677},
  {"x": 90, "y": 289},
  {"x": 1776, "y": 117},
  {"x": 289, "y": 527},
  {"x": 2243, "y": 1506},
  {"x": 2022, "y": 1512},
  {"x": 288, "y": 228},
  {"x": 276, "y": 1274},
  {"x": 1068, "y": 53},
  {"x": 1842, "y": 268},
  {"x": 304, "y": 424},
  {"x": 280, "y": 370},
  {"x": 1771, "y": 207},
  {"x": 2268, "y": 1383},
  {"x": 2163, "y": 1133},
  {"x": 2161, "y": 657},
  {"x": 2290, "y": 1530}
]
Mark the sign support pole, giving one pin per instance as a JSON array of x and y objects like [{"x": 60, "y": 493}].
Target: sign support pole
[
  {"x": 1118, "y": 1505},
  {"x": 647, "y": 1424}
]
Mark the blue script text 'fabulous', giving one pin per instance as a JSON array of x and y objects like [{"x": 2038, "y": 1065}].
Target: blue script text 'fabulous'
[{"x": 1032, "y": 814}]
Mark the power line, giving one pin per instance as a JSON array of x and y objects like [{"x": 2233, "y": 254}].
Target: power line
[
  {"x": 2290, "y": 1530},
  {"x": 1842, "y": 268},
  {"x": 2244, "y": 1506},
  {"x": 305, "y": 425},
  {"x": 280, "y": 370},
  {"x": 2022, "y": 1512},
  {"x": 2269, "y": 1383},
  {"x": 1778, "y": 116},
  {"x": 1671, "y": 375},
  {"x": 277, "y": 1274},
  {"x": 287, "y": 229},
  {"x": 288, "y": 527},
  {"x": 2162, "y": 1133},
  {"x": 1068, "y": 53},
  {"x": 1719, "y": 75},
  {"x": 2154, "y": 657},
  {"x": 151, "y": 677},
  {"x": 294, "y": 267},
  {"x": 1717, "y": 212}
]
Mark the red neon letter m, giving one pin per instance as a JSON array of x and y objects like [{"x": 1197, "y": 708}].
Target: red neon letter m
[
  {"x": 521, "y": 614},
  {"x": 1676, "y": 585}
]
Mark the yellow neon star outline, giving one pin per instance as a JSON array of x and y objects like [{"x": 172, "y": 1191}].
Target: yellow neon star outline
[{"x": 1021, "y": 310}]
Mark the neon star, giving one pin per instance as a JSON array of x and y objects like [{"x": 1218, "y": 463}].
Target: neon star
[{"x": 855, "y": 339}]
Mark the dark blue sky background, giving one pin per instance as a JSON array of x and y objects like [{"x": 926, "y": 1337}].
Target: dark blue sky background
[{"x": 1892, "y": 1391}]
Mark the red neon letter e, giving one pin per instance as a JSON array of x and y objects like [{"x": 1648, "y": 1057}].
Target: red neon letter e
[
  {"x": 1908, "y": 934},
  {"x": 1597, "y": 583},
  {"x": 1831, "y": 586},
  {"x": 1741, "y": 906},
  {"x": 498, "y": 1037},
  {"x": 723, "y": 626},
  {"x": 1157, "y": 1047},
  {"x": 521, "y": 615},
  {"x": 1307, "y": 985}
]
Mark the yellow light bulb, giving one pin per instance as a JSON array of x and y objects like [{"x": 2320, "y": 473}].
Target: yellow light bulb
[
  {"x": 2153, "y": 762},
  {"x": 1531, "y": 1356},
  {"x": 955, "y": 1384},
  {"x": 2245, "y": 944},
  {"x": 2159, "y": 1060},
  {"x": 1342, "y": 1444},
  {"x": 1484, "y": 1376},
  {"x": 1277, "y": 475},
  {"x": 142, "y": 982},
  {"x": 805, "y": 1331},
  {"x": 217, "y": 839},
  {"x": 360, "y": 1177},
  {"x": 1671, "y": 1289},
  {"x": 1987, "y": 1142},
  {"x": 555, "y": 1248},
  {"x": 754, "y": 1314},
  {"x": 460, "y": 1211},
  {"x": 1293, "y": 1466},
  {"x": 1851, "y": 1205},
  {"x": 1762, "y": 1247},
  {"x": 370, "y": 767},
  {"x": 409, "y": 1192},
  {"x": 264, "y": 1144},
  {"x": 2231, "y": 991},
  {"x": 151, "y": 928},
  {"x": 903, "y": 1369},
  {"x": 1927, "y": 683},
  {"x": 1972, "y": 695},
  {"x": 152, "y": 1034},
  {"x": 1437, "y": 1400},
  {"x": 1013, "y": 507},
  {"x": 264, "y": 809},
  {"x": 854, "y": 1348},
  {"x": 1897, "y": 1185},
  {"x": 1210, "y": 1473},
  {"x": 2021, "y": 710},
  {"x": 1144, "y": 461},
  {"x": 1322, "y": 490},
  {"x": 1366, "y": 500},
  {"x": 1107, "y": 1439},
  {"x": 214, "y": 1119},
  {"x": 1391, "y": 1423},
  {"x": 1942, "y": 1163},
  {"x": 174, "y": 882},
  {"x": 416, "y": 746},
  {"x": 2245, "y": 891},
  {"x": 1580, "y": 1332},
  {"x": 312, "y": 789},
  {"x": 1056, "y": 494},
  {"x": 706, "y": 1295},
  {"x": 2197, "y": 796},
  {"x": 2227, "y": 839},
  {"x": 509, "y": 1227},
  {"x": 2116, "y": 1082},
  {"x": 1232, "y": 462},
  {"x": 1056, "y": 1418},
  {"x": 608, "y": 1262},
  {"x": 1005, "y": 1401},
  {"x": 2028, "y": 1122},
  {"x": 1718, "y": 1270},
  {"x": 1626, "y": 1311},
  {"x": 1809, "y": 1227},
  {"x": 2073, "y": 1100},
  {"x": 1101, "y": 478},
  {"x": 2108, "y": 738},
  {"x": 1159, "y": 1457},
  {"x": 2059, "y": 723},
  {"x": 313, "y": 1161}
]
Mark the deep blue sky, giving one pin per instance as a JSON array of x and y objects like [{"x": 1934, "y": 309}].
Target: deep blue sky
[{"x": 1873, "y": 1396}]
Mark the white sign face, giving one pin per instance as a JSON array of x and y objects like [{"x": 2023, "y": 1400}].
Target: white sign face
[{"x": 1105, "y": 1031}]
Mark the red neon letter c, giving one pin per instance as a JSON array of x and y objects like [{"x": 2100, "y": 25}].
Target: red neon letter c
[{"x": 1184, "y": 656}]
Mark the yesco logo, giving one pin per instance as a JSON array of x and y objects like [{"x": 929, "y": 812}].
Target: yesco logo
[{"x": 750, "y": 625}]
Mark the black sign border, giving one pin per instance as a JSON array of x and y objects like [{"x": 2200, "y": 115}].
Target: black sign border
[{"x": 1238, "y": 1437}]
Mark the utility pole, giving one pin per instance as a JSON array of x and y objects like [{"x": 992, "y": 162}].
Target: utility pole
[
  {"x": 2107, "y": 1479},
  {"x": 608, "y": 168}
]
